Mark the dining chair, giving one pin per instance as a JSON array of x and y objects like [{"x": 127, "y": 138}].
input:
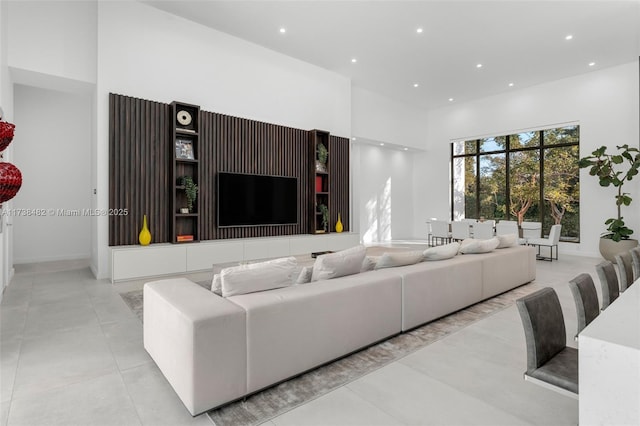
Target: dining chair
[
  {"x": 551, "y": 242},
  {"x": 625, "y": 269},
  {"x": 460, "y": 230},
  {"x": 440, "y": 231},
  {"x": 483, "y": 230},
  {"x": 550, "y": 362},
  {"x": 506, "y": 227},
  {"x": 609, "y": 282},
  {"x": 531, "y": 229},
  {"x": 586, "y": 298},
  {"x": 635, "y": 261}
]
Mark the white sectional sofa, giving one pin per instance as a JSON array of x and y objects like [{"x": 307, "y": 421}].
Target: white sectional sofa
[{"x": 214, "y": 350}]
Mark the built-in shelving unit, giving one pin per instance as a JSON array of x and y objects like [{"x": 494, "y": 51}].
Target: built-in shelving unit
[
  {"x": 185, "y": 145},
  {"x": 319, "y": 158}
]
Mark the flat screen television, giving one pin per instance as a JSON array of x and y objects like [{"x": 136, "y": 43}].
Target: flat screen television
[{"x": 253, "y": 200}]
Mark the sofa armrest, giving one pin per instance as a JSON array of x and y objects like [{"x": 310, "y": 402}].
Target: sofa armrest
[{"x": 198, "y": 340}]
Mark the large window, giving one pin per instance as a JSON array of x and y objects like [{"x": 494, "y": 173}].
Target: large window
[{"x": 529, "y": 176}]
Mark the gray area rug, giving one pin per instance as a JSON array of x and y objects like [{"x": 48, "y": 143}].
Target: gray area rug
[{"x": 272, "y": 402}]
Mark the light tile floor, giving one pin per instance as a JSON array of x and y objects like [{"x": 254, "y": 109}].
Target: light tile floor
[{"x": 72, "y": 354}]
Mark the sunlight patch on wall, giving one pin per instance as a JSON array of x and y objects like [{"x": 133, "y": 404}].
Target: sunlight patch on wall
[{"x": 378, "y": 208}]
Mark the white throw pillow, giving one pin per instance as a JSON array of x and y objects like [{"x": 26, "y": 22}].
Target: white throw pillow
[
  {"x": 507, "y": 240},
  {"x": 369, "y": 263},
  {"x": 216, "y": 285},
  {"x": 390, "y": 260},
  {"x": 471, "y": 246},
  {"x": 339, "y": 264},
  {"x": 258, "y": 276},
  {"x": 305, "y": 275},
  {"x": 446, "y": 251}
]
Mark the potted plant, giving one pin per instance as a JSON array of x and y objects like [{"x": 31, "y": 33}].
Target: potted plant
[
  {"x": 614, "y": 169},
  {"x": 322, "y": 154},
  {"x": 190, "y": 190},
  {"x": 325, "y": 216}
]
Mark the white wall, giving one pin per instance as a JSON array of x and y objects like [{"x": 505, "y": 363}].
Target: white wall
[
  {"x": 53, "y": 154},
  {"x": 605, "y": 103},
  {"x": 56, "y": 38},
  {"x": 382, "y": 192},
  {"x": 147, "y": 53},
  {"x": 378, "y": 118},
  {"x": 6, "y": 102}
]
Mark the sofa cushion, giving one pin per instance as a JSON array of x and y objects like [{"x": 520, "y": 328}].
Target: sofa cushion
[
  {"x": 339, "y": 264},
  {"x": 446, "y": 251},
  {"x": 216, "y": 284},
  {"x": 390, "y": 260},
  {"x": 305, "y": 275},
  {"x": 258, "y": 276},
  {"x": 369, "y": 263},
  {"x": 507, "y": 240},
  {"x": 472, "y": 246}
]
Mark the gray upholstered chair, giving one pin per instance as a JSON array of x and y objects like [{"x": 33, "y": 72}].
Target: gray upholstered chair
[
  {"x": 635, "y": 261},
  {"x": 550, "y": 362},
  {"x": 609, "y": 282},
  {"x": 551, "y": 242},
  {"x": 586, "y": 298},
  {"x": 625, "y": 269}
]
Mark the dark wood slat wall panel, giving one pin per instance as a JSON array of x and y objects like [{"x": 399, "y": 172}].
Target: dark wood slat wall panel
[
  {"x": 141, "y": 155},
  {"x": 338, "y": 167},
  {"x": 138, "y": 169},
  {"x": 238, "y": 145}
]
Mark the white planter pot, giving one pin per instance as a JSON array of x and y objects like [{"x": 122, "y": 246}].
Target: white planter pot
[{"x": 609, "y": 248}]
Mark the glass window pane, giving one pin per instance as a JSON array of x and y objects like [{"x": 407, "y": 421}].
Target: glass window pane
[
  {"x": 562, "y": 191},
  {"x": 524, "y": 140},
  {"x": 458, "y": 147},
  {"x": 464, "y": 190},
  {"x": 497, "y": 143},
  {"x": 524, "y": 185},
  {"x": 492, "y": 186},
  {"x": 569, "y": 134},
  {"x": 470, "y": 147}
]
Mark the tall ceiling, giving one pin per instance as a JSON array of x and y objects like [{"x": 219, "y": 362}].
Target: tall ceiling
[{"x": 518, "y": 42}]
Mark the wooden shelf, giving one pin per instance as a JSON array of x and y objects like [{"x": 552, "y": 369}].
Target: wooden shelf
[{"x": 188, "y": 132}]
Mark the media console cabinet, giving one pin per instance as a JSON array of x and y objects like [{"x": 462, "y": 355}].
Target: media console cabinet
[{"x": 135, "y": 262}]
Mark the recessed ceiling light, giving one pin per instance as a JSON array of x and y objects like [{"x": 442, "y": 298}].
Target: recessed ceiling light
[
  {"x": 510, "y": 84},
  {"x": 354, "y": 60},
  {"x": 568, "y": 37},
  {"x": 479, "y": 66},
  {"x": 450, "y": 99},
  {"x": 415, "y": 85},
  {"x": 353, "y": 138},
  {"x": 381, "y": 144},
  {"x": 591, "y": 64},
  {"x": 406, "y": 149},
  {"x": 283, "y": 30},
  {"x": 419, "y": 30}
]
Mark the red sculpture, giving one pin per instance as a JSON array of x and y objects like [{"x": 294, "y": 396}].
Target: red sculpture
[{"x": 10, "y": 176}]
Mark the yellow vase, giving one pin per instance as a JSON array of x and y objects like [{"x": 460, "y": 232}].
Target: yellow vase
[
  {"x": 339, "y": 227},
  {"x": 145, "y": 236}
]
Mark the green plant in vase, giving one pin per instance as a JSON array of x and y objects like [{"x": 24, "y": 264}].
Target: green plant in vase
[
  {"x": 190, "y": 190},
  {"x": 614, "y": 170},
  {"x": 322, "y": 208},
  {"x": 322, "y": 155}
]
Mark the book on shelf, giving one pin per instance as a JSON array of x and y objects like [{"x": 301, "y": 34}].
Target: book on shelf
[{"x": 181, "y": 238}]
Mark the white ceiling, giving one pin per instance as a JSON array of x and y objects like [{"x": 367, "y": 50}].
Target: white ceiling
[{"x": 519, "y": 42}]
